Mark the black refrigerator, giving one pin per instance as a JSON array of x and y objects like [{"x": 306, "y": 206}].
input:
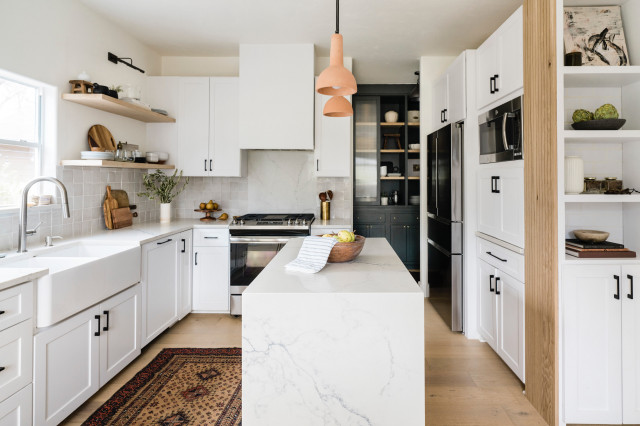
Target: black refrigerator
[{"x": 444, "y": 223}]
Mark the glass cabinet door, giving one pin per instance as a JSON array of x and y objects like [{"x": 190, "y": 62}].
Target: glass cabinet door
[{"x": 366, "y": 150}]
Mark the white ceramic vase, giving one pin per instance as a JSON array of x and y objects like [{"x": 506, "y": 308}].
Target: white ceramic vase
[
  {"x": 391, "y": 117},
  {"x": 165, "y": 212},
  {"x": 573, "y": 175}
]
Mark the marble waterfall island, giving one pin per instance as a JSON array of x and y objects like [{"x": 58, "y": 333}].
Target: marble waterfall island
[{"x": 344, "y": 346}]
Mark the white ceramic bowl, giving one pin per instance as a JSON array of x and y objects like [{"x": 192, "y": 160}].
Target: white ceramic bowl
[
  {"x": 162, "y": 156},
  {"x": 391, "y": 116},
  {"x": 414, "y": 146},
  {"x": 152, "y": 157},
  {"x": 413, "y": 116}
]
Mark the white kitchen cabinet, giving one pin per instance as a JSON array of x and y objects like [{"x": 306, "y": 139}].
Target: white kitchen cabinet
[
  {"x": 120, "y": 335},
  {"x": 159, "y": 287},
  {"x": 66, "y": 366},
  {"x": 211, "y": 270},
  {"x": 500, "y": 62},
  {"x": 204, "y": 139},
  {"x": 17, "y": 409},
  {"x": 276, "y": 96},
  {"x": 193, "y": 126},
  {"x": 448, "y": 97},
  {"x": 77, "y": 356},
  {"x": 332, "y": 142},
  {"x": 510, "y": 303},
  {"x": 185, "y": 247},
  {"x": 501, "y": 202},
  {"x": 630, "y": 296},
  {"x": 16, "y": 348},
  {"x": 592, "y": 344},
  {"x": 488, "y": 312}
]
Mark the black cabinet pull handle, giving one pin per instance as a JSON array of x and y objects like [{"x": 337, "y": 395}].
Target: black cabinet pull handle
[
  {"x": 2, "y": 312},
  {"x": 491, "y": 81},
  {"x": 205, "y": 164},
  {"x": 317, "y": 165},
  {"x": 164, "y": 242},
  {"x": 491, "y": 277},
  {"x": 617, "y": 295},
  {"x": 494, "y": 184},
  {"x": 196, "y": 258},
  {"x": 2, "y": 368},
  {"x": 499, "y": 258},
  {"x": 445, "y": 115},
  {"x": 210, "y": 238},
  {"x": 106, "y": 327},
  {"x": 497, "y": 291},
  {"x": 184, "y": 245},
  {"x": 495, "y": 83},
  {"x": 210, "y": 165},
  {"x": 97, "y": 333},
  {"x": 630, "y": 295}
]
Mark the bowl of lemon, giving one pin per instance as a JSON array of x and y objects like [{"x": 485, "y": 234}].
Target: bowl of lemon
[{"x": 347, "y": 248}]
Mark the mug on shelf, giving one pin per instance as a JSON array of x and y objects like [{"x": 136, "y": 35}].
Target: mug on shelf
[{"x": 383, "y": 171}]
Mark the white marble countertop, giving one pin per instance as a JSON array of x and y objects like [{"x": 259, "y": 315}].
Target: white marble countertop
[
  {"x": 14, "y": 276},
  {"x": 338, "y": 223},
  {"x": 376, "y": 270}
]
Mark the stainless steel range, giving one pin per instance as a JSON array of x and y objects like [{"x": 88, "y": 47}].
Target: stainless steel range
[{"x": 255, "y": 240}]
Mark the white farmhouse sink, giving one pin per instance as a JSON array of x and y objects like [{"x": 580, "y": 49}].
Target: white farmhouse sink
[{"x": 81, "y": 274}]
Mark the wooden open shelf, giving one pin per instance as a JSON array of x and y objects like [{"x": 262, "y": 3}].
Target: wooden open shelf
[
  {"x": 414, "y": 177},
  {"x": 398, "y": 124},
  {"x": 116, "y": 106},
  {"x": 414, "y": 151},
  {"x": 391, "y": 151},
  {"x": 391, "y": 177},
  {"x": 414, "y": 124},
  {"x": 114, "y": 164}
]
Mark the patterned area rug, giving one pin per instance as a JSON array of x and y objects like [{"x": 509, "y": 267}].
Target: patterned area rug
[{"x": 179, "y": 387}]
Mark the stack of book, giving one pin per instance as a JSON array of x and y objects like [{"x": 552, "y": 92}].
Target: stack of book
[{"x": 606, "y": 249}]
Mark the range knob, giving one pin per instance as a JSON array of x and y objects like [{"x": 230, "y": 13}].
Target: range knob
[
  {"x": 304, "y": 221},
  {"x": 234, "y": 221},
  {"x": 290, "y": 222},
  {"x": 241, "y": 222},
  {"x": 298, "y": 222}
]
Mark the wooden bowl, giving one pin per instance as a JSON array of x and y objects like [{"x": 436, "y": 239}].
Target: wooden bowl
[
  {"x": 591, "y": 236},
  {"x": 346, "y": 252}
]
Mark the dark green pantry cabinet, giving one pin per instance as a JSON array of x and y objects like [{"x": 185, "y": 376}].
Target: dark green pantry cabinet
[{"x": 399, "y": 225}]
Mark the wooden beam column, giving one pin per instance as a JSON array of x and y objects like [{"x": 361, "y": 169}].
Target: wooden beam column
[{"x": 541, "y": 207}]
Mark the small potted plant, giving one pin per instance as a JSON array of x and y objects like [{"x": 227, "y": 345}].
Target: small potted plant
[{"x": 164, "y": 188}]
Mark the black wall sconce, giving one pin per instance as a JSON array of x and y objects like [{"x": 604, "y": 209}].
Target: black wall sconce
[{"x": 113, "y": 58}]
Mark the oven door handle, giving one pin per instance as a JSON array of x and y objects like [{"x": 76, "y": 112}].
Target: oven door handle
[
  {"x": 505, "y": 117},
  {"x": 258, "y": 240}
]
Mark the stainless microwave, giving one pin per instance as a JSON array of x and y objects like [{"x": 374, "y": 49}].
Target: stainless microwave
[{"x": 501, "y": 133}]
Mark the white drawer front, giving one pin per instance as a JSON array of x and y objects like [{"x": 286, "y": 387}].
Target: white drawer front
[
  {"x": 16, "y": 348},
  {"x": 504, "y": 259},
  {"x": 16, "y": 411},
  {"x": 210, "y": 237},
  {"x": 16, "y": 305}
]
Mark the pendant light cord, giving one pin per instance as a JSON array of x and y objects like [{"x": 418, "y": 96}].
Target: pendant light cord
[{"x": 337, "y": 16}]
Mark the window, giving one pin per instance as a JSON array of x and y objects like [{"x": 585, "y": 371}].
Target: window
[{"x": 20, "y": 138}]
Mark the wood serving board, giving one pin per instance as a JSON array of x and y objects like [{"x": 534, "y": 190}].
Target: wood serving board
[
  {"x": 121, "y": 217},
  {"x": 100, "y": 139}
]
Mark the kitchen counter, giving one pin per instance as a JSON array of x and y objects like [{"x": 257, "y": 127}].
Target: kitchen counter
[
  {"x": 331, "y": 225},
  {"x": 14, "y": 276},
  {"x": 343, "y": 346}
]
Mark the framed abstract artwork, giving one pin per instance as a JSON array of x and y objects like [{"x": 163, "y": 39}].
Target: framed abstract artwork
[{"x": 597, "y": 33}]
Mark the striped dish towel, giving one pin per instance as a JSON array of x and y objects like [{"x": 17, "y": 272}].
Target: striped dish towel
[{"x": 313, "y": 255}]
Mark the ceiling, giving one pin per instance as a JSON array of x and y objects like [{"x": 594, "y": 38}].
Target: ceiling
[{"x": 389, "y": 35}]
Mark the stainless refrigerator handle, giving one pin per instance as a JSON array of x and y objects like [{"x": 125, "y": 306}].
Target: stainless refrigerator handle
[{"x": 435, "y": 172}]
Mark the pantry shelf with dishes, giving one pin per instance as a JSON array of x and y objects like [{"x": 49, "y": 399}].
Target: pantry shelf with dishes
[{"x": 116, "y": 106}]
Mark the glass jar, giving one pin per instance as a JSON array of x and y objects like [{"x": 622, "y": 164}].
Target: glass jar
[
  {"x": 612, "y": 184},
  {"x": 591, "y": 185}
]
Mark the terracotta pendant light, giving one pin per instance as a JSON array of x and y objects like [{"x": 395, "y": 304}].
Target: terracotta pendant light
[
  {"x": 336, "y": 80},
  {"x": 338, "y": 106}
]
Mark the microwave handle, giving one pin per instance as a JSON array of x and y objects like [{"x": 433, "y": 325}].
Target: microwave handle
[{"x": 505, "y": 117}]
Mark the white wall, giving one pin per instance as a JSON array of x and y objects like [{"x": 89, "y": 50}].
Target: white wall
[
  {"x": 200, "y": 66},
  {"x": 52, "y": 42}
]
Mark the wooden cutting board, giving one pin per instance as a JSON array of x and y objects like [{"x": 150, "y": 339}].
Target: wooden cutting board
[
  {"x": 121, "y": 197},
  {"x": 121, "y": 217},
  {"x": 100, "y": 139},
  {"x": 108, "y": 206}
]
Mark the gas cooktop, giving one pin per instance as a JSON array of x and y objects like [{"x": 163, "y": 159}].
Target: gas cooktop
[{"x": 273, "y": 221}]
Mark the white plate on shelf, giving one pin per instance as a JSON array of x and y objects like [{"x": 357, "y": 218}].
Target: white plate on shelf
[
  {"x": 394, "y": 174},
  {"x": 96, "y": 155}
]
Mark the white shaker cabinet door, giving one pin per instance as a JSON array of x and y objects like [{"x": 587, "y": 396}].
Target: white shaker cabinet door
[
  {"x": 120, "y": 335},
  {"x": 227, "y": 158},
  {"x": 193, "y": 126},
  {"x": 159, "y": 287},
  {"x": 456, "y": 93},
  {"x": 510, "y": 184},
  {"x": 592, "y": 358},
  {"x": 66, "y": 367},
  {"x": 489, "y": 202},
  {"x": 486, "y": 57},
  {"x": 510, "y": 306},
  {"x": 163, "y": 92},
  {"x": 488, "y": 321},
  {"x": 211, "y": 279},
  {"x": 332, "y": 142},
  {"x": 439, "y": 100},
  {"x": 630, "y": 298},
  {"x": 510, "y": 55},
  {"x": 185, "y": 247}
]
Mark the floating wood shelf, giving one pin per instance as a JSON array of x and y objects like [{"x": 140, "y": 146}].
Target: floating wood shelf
[
  {"x": 391, "y": 177},
  {"x": 391, "y": 151},
  {"x": 414, "y": 124},
  {"x": 414, "y": 177},
  {"x": 392, "y": 124},
  {"x": 114, "y": 164},
  {"x": 602, "y": 198},
  {"x": 414, "y": 151},
  {"x": 116, "y": 106}
]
